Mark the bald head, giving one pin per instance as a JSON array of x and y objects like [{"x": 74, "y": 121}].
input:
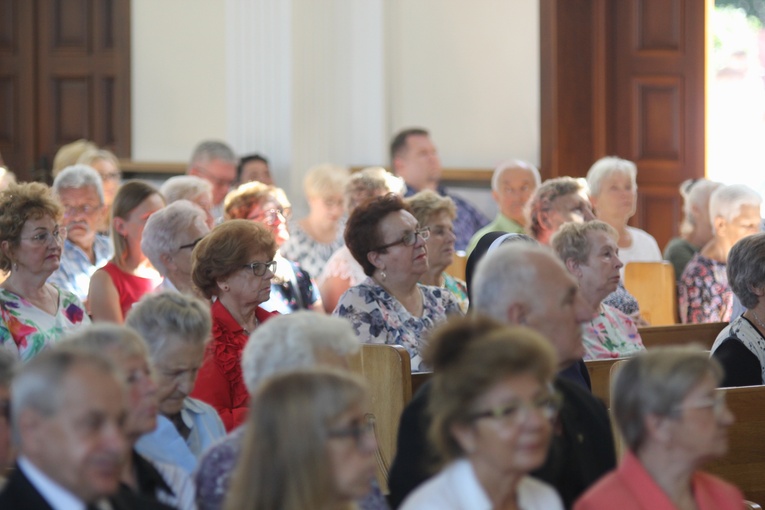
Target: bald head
[{"x": 525, "y": 284}]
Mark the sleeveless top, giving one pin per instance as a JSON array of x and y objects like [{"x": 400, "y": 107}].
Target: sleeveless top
[{"x": 129, "y": 287}]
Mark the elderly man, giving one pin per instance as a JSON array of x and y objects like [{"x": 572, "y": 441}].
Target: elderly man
[
  {"x": 414, "y": 158},
  {"x": 169, "y": 237},
  {"x": 521, "y": 283},
  {"x": 512, "y": 185},
  {"x": 215, "y": 162},
  {"x": 7, "y": 365},
  {"x": 68, "y": 415},
  {"x": 80, "y": 190}
]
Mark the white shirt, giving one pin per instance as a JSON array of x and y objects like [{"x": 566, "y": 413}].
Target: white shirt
[
  {"x": 457, "y": 488},
  {"x": 644, "y": 248},
  {"x": 56, "y": 496}
]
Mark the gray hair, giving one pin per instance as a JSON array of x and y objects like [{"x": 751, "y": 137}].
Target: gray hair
[
  {"x": 210, "y": 150},
  {"x": 604, "y": 167},
  {"x": 695, "y": 193},
  {"x": 571, "y": 241},
  {"x": 505, "y": 276},
  {"x": 655, "y": 382},
  {"x": 746, "y": 268},
  {"x": 101, "y": 337},
  {"x": 38, "y": 385},
  {"x": 186, "y": 187},
  {"x": 7, "y": 367},
  {"x": 511, "y": 164},
  {"x": 79, "y": 176},
  {"x": 290, "y": 342},
  {"x": 166, "y": 226},
  {"x": 170, "y": 316},
  {"x": 727, "y": 201},
  {"x": 369, "y": 181}
]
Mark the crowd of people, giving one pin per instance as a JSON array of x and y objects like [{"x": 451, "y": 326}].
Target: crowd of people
[{"x": 188, "y": 346}]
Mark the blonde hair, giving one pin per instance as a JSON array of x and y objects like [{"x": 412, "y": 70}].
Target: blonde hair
[
  {"x": 239, "y": 202},
  {"x": 284, "y": 463},
  {"x": 91, "y": 155},
  {"x": 325, "y": 180},
  {"x": 70, "y": 153},
  {"x": 427, "y": 204}
]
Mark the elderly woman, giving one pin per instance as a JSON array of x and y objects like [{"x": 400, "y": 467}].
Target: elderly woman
[
  {"x": 493, "y": 407},
  {"x": 33, "y": 313},
  {"x": 108, "y": 167},
  {"x": 233, "y": 265},
  {"x": 390, "y": 306},
  {"x": 158, "y": 482},
  {"x": 168, "y": 239},
  {"x": 696, "y": 228},
  {"x": 191, "y": 188},
  {"x": 740, "y": 346},
  {"x": 437, "y": 213},
  {"x": 292, "y": 287},
  {"x": 341, "y": 271},
  {"x": 613, "y": 193},
  {"x": 314, "y": 238},
  {"x": 129, "y": 275},
  {"x": 176, "y": 328},
  {"x": 590, "y": 254},
  {"x": 297, "y": 341},
  {"x": 308, "y": 444},
  {"x": 79, "y": 189},
  {"x": 703, "y": 290},
  {"x": 673, "y": 420}
]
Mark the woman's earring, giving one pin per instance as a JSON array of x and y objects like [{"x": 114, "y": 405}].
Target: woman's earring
[
  {"x": 383, "y": 276},
  {"x": 225, "y": 288},
  {"x": 14, "y": 266}
]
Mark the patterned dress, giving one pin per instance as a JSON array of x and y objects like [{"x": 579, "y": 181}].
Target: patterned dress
[
  {"x": 458, "y": 288},
  {"x": 307, "y": 251},
  {"x": 611, "y": 335},
  {"x": 703, "y": 292},
  {"x": 379, "y": 318},
  {"x": 25, "y": 330}
]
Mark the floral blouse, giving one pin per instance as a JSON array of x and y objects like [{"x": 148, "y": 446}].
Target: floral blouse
[
  {"x": 611, "y": 334},
  {"x": 458, "y": 288},
  {"x": 703, "y": 292},
  {"x": 378, "y": 318},
  {"x": 25, "y": 330},
  {"x": 307, "y": 251}
]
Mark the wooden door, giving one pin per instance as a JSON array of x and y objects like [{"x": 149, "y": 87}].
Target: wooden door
[
  {"x": 74, "y": 72},
  {"x": 626, "y": 78}
]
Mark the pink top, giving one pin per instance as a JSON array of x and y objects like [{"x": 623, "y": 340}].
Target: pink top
[
  {"x": 129, "y": 287},
  {"x": 630, "y": 487}
]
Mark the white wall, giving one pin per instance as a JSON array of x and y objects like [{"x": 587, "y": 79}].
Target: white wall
[{"x": 308, "y": 81}]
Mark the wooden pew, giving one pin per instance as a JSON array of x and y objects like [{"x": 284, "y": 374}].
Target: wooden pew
[
  {"x": 653, "y": 285},
  {"x": 457, "y": 267},
  {"x": 600, "y": 377},
  {"x": 681, "y": 334},
  {"x": 744, "y": 465}
]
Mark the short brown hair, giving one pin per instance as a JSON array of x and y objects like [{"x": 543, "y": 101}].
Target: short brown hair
[
  {"x": 226, "y": 249},
  {"x": 362, "y": 232},
  {"x": 470, "y": 355},
  {"x": 239, "y": 202},
  {"x": 19, "y": 203},
  {"x": 427, "y": 203},
  {"x": 400, "y": 141}
]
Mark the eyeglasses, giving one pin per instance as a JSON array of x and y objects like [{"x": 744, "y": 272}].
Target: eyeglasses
[
  {"x": 268, "y": 216},
  {"x": 58, "y": 234},
  {"x": 191, "y": 245},
  {"x": 357, "y": 431},
  {"x": 111, "y": 176},
  {"x": 716, "y": 402},
  {"x": 216, "y": 181},
  {"x": 260, "y": 268},
  {"x": 75, "y": 210},
  {"x": 517, "y": 412},
  {"x": 441, "y": 231},
  {"x": 409, "y": 239}
]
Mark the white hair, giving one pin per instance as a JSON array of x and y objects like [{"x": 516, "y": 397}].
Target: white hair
[
  {"x": 165, "y": 227},
  {"x": 290, "y": 342},
  {"x": 727, "y": 201},
  {"x": 514, "y": 163},
  {"x": 79, "y": 176},
  {"x": 604, "y": 167},
  {"x": 186, "y": 187},
  {"x": 506, "y": 276}
]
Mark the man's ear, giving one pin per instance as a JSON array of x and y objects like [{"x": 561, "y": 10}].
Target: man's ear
[
  {"x": 517, "y": 314},
  {"x": 495, "y": 196}
]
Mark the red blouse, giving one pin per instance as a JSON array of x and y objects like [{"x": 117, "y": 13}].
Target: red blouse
[{"x": 220, "y": 382}]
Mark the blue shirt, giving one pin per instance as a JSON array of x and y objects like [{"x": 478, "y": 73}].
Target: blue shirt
[{"x": 76, "y": 269}]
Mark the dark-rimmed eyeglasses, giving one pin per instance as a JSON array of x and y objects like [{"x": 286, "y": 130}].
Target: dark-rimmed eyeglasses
[
  {"x": 356, "y": 431},
  {"x": 260, "y": 268},
  {"x": 409, "y": 239},
  {"x": 191, "y": 245},
  {"x": 516, "y": 413}
]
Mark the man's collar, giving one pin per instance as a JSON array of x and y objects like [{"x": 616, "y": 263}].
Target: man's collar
[{"x": 57, "y": 497}]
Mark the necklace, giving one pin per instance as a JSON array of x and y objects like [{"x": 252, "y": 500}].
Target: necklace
[{"x": 758, "y": 319}]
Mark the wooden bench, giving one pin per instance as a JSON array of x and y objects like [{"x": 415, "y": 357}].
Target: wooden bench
[
  {"x": 600, "y": 377},
  {"x": 681, "y": 334},
  {"x": 653, "y": 285}
]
